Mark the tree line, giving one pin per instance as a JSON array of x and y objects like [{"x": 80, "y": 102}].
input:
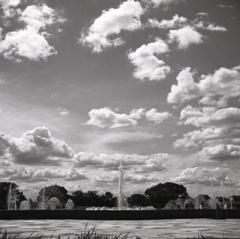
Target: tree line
[{"x": 157, "y": 196}]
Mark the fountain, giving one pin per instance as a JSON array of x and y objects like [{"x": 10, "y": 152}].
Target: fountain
[
  {"x": 53, "y": 203},
  {"x": 24, "y": 205},
  {"x": 121, "y": 188},
  {"x": 69, "y": 204},
  {"x": 121, "y": 202},
  {"x": 43, "y": 203},
  {"x": 12, "y": 198}
]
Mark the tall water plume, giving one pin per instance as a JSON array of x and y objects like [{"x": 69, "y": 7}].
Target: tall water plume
[
  {"x": 121, "y": 187},
  {"x": 12, "y": 198}
]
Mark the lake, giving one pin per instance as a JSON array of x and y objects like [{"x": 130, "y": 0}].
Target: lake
[{"x": 144, "y": 228}]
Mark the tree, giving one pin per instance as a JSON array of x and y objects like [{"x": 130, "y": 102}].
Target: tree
[
  {"x": 54, "y": 191},
  {"x": 160, "y": 194},
  {"x": 203, "y": 200},
  {"x": 92, "y": 198},
  {"x": 4, "y": 191},
  {"x": 138, "y": 200}
]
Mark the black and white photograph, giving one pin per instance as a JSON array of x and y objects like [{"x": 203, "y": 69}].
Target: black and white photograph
[{"x": 119, "y": 119}]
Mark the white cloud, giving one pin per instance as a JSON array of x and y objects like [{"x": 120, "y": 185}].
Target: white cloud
[
  {"x": 26, "y": 43},
  {"x": 38, "y": 17},
  {"x": 72, "y": 187},
  {"x": 31, "y": 41},
  {"x": 185, "y": 37},
  {"x": 137, "y": 113},
  {"x": 175, "y": 22},
  {"x": 4, "y": 143},
  {"x": 209, "y": 100},
  {"x": 106, "y": 118},
  {"x": 209, "y": 26},
  {"x": 137, "y": 163},
  {"x": 217, "y": 127},
  {"x": 35, "y": 147},
  {"x": 74, "y": 175},
  {"x": 127, "y": 178},
  {"x": 157, "y": 3},
  {"x": 222, "y": 152},
  {"x": 148, "y": 65},
  {"x": 199, "y": 137},
  {"x": 112, "y": 22},
  {"x": 8, "y": 7},
  {"x": 225, "y": 6},
  {"x": 202, "y": 14},
  {"x": 186, "y": 89},
  {"x": 157, "y": 117},
  {"x": 204, "y": 176},
  {"x": 33, "y": 175},
  {"x": 63, "y": 111},
  {"x": 224, "y": 82},
  {"x": 183, "y": 22},
  {"x": 211, "y": 117}
]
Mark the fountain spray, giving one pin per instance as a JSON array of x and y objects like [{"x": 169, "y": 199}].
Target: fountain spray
[{"x": 120, "y": 187}]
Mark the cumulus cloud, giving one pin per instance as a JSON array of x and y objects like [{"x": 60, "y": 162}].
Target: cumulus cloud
[
  {"x": 204, "y": 176},
  {"x": 127, "y": 178},
  {"x": 31, "y": 41},
  {"x": 8, "y": 7},
  {"x": 223, "y": 83},
  {"x": 137, "y": 163},
  {"x": 202, "y": 14},
  {"x": 157, "y": 3},
  {"x": 74, "y": 175},
  {"x": 217, "y": 127},
  {"x": 62, "y": 111},
  {"x": 175, "y": 22},
  {"x": 219, "y": 124},
  {"x": 38, "y": 17},
  {"x": 156, "y": 117},
  {"x": 221, "y": 152},
  {"x": 209, "y": 100},
  {"x": 186, "y": 89},
  {"x": 35, "y": 147},
  {"x": 137, "y": 113},
  {"x": 185, "y": 37},
  {"x": 210, "y": 116},
  {"x": 106, "y": 118},
  {"x": 33, "y": 175},
  {"x": 112, "y": 22},
  {"x": 148, "y": 65},
  {"x": 25, "y": 43},
  {"x": 181, "y": 22},
  {"x": 209, "y": 26},
  {"x": 200, "y": 137},
  {"x": 4, "y": 143},
  {"x": 225, "y": 6}
]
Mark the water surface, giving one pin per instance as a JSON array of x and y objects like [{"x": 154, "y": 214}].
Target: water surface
[{"x": 173, "y": 228}]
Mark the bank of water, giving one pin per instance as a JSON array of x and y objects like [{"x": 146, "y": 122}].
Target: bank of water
[{"x": 181, "y": 228}]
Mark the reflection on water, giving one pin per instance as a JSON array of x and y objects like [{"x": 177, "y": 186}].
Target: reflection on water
[{"x": 149, "y": 228}]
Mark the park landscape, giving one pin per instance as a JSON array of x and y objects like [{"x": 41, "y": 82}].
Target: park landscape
[{"x": 119, "y": 117}]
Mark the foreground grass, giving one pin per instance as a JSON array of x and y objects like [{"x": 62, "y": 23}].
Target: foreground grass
[{"x": 90, "y": 234}]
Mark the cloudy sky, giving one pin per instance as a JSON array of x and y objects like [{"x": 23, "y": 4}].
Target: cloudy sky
[{"x": 152, "y": 83}]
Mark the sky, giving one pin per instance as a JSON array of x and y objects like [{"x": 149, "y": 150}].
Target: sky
[{"x": 154, "y": 84}]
